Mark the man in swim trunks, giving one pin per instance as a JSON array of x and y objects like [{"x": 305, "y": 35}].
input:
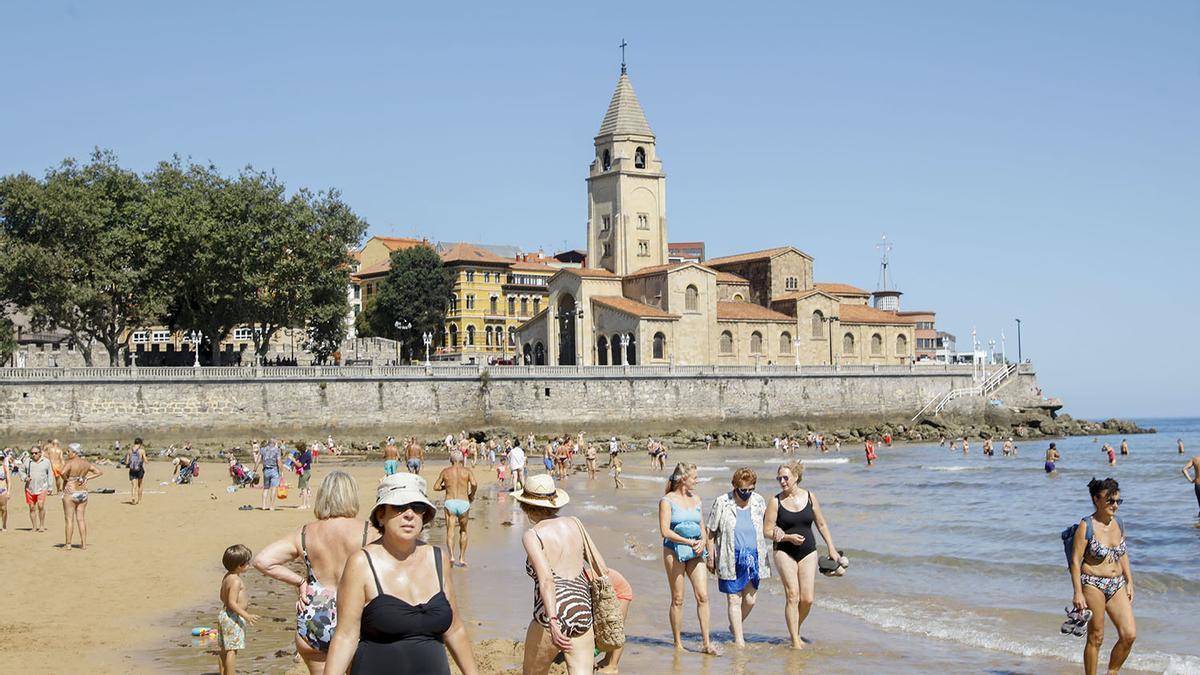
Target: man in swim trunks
[
  {"x": 76, "y": 473},
  {"x": 414, "y": 456},
  {"x": 39, "y": 481},
  {"x": 1052, "y": 456},
  {"x": 1194, "y": 466},
  {"x": 459, "y": 484},
  {"x": 391, "y": 457},
  {"x": 54, "y": 453}
]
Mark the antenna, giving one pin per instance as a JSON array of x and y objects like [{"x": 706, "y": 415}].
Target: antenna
[{"x": 885, "y": 246}]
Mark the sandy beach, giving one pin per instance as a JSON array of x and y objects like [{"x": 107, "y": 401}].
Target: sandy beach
[{"x": 151, "y": 573}]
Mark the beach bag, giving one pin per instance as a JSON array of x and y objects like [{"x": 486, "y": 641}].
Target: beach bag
[
  {"x": 608, "y": 626},
  {"x": 1068, "y": 536},
  {"x": 281, "y": 491}
]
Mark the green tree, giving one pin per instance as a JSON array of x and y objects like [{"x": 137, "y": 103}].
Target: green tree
[
  {"x": 8, "y": 339},
  {"x": 416, "y": 291},
  {"x": 362, "y": 322},
  {"x": 80, "y": 254}
]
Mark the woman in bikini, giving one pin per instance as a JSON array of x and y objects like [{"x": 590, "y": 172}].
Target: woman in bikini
[
  {"x": 325, "y": 545},
  {"x": 76, "y": 473},
  {"x": 685, "y": 546},
  {"x": 554, "y": 560},
  {"x": 1102, "y": 578},
  {"x": 5, "y": 486},
  {"x": 789, "y": 522}
]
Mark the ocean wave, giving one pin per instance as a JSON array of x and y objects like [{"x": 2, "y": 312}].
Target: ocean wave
[
  {"x": 954, "y": 468},
  {"x": 712, "y": 468},
  {"x": 660, "y": 479},
  {"x": 590, "y": 506},
  {"x": 963, "y": 627},
  {"x": 826, "y": 460}
]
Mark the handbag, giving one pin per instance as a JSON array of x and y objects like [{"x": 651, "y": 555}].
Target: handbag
[
  {"x": 608, "y": 625},
  {"x": 281, "y": 491}
]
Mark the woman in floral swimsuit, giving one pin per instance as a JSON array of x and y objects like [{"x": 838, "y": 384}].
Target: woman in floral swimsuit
[
  {"x": 1102, "y": 579},
  {"x": 325, "y": 545}
]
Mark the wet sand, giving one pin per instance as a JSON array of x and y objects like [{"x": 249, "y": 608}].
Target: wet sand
[{"x": 152, "y": 571}]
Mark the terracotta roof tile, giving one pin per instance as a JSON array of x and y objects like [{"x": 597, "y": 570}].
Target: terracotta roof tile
[
  {"x": 862, "y": 314},
  {"x": 799, "y": 295},
  {"x": 754, "y": 255},
  {"x": 463, "y": 252},
  {"x": 533, "y": 267},
  {"x": 589, "y": 272},
  {"x": 839, "y": 289},
  {"x": 373, "y": 270},
  {"x": 748, "y": 311},
  {"x": 731, "y": 278},
  {"x": 623, "y": 304},
  {"x": 399, "y": 243}
]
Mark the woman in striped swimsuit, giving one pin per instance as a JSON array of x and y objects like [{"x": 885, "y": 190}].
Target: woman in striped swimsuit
[{"x": 562, "y": 604}]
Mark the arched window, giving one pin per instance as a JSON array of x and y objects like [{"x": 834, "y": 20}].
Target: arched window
[
  {"x": 527, "y": 350},
  {"x": 539, "y": 354},
  {"x": 631, "y": 352},
  {"x": 817, "y": 319},
  {"x": 487, "y": 336},
  {"x": 614, "y": 345},
  {"x": 602, "y": 351},
  {"x": 470, "y": 336},
  {"x": 901, "y": 345},
  {"x": 660, "y": 346},
  {"x": 537, "y": 305},
  {"x": 494, "y": 309},
  {"x": 876, "y": 344},
  {"x": 512, "y": 337},
  {"x": 512, "y": 306},
  {"x": 453, "y": 303},
  {"x": 524, "y": 306},
  {"x": 639, "y": 158},
  {"x": 737, "y": 297},
  {"x": 785, "y": 343},
  {"x": 453, "y": 335},
  {"x": 606, "y": 162},
  {"x": 756, "y": 342},
  {"x": 726, "y": 342},
  {"x": 692, "y": 296},
  {"x": 848, "y": 343}
]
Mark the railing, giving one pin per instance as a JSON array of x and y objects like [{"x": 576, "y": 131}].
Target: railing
[
  {"x": 938, "y": 403},
  {"x": 440, "y": 370}
]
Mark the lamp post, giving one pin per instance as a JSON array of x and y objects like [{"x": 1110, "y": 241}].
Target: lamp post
[
  {"x": 626, "y": 338},
  {"x": 974, "y": 356},
  {"x": 1003, "y": 353},
  {"x": 400, "y": 326},
  {"x": 796, "y": 342},
  {"x": 1019, "y": 357},
  {"x": 427, "y": 338},
  {"x": 196, "y": 337}
]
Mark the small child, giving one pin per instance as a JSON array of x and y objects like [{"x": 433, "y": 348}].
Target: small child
[
  {"x": 231, "y": 620},
  {"x": 615, "y": 471},
  {"x": 501, "y": 473}
]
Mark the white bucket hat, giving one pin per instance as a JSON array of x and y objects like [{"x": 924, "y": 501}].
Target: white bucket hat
[
  {"x": 403, "y": 488},
  {"x": 539, "y": 490}
]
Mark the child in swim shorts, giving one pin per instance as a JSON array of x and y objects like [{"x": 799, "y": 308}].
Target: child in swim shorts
[{"x": 231, "y": 620}]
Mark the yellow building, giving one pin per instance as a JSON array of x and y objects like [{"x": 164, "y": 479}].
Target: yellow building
[{"x": 491, "y": 296}]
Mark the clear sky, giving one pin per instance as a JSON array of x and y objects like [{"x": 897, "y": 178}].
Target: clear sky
[{"x": 1030, "y": 159}]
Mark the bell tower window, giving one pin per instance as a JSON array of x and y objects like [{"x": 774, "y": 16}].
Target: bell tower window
[
  {"x": 605, "y": 223},
  {"x": 606, "y": 160},
  {"x": 639, "y": 158}
]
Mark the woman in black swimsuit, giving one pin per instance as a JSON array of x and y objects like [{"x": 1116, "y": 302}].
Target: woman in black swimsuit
[
  {"x": 396, "y": 607},
  {"x": 788, "y": 522}
]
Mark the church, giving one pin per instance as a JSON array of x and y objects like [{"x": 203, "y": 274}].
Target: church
[{"x": 628, "y": 305}]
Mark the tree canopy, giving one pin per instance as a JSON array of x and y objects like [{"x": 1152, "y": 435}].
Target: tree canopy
[
  {"x": 416, "y": 292},
  {"x": 99, "y": 251}
]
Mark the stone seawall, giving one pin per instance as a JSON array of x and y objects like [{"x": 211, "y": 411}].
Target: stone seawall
[{"x": 403, "y": 404}]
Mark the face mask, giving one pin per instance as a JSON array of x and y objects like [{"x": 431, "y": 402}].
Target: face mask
[{"x": 744, "y": 494}]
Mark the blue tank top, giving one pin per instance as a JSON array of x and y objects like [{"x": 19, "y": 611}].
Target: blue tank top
[{"x": 681, "y": 515}]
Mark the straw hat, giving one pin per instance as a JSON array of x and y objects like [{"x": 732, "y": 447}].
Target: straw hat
[
  {"x": 539, "y": 490},
  {"x": 399, "y": 489}
]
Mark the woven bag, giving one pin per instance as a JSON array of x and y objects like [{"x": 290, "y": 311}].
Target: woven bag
[{"x": 608, "y": 625}]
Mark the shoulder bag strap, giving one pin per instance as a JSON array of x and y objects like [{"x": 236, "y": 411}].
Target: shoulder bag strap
[{"x": 589, "y": 552}]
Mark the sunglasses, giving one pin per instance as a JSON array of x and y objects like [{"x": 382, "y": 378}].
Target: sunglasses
[
  {"x": 416, "y": 507},
  {"x": 1114, "y": 502},
  {"x": 783, "y": 479}
]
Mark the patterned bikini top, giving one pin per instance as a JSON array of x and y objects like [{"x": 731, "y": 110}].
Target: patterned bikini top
[{"x": 1102, "y": 552}]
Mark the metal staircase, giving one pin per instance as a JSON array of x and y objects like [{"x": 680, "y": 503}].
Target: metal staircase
[{"x": 993, "y": 381}]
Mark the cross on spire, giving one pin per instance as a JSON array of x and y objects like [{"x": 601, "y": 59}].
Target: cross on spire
[{"x": 624, "y": 44}]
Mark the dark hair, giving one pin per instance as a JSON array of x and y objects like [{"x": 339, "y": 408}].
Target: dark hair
[
  {"x": 1109, "y": 485},
  {"x": 236, "y": 556},
  {"x": 138, "y": 440}
]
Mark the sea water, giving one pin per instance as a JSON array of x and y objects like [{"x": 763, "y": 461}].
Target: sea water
[{"x": 956, "y": 561}]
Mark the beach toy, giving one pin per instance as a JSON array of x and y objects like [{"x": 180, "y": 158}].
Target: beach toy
[
  {"x": 204, "y": 631},
  {"x": 691, "y": 530}
]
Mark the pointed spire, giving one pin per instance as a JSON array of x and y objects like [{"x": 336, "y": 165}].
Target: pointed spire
[{"x": 624, "y": 114}]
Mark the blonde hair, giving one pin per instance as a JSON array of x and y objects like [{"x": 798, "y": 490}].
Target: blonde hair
[
  {"x": 337, "y": 497},
  {"x": 796, "y": 469},
  {"x": 682, "y": 470}
]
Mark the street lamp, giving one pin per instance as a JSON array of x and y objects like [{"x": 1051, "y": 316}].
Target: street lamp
[
  {"x": 1003, "y": 353},
  {"x": 427, "y": 338},
  {"x": 974, "y": 355},
  {"x": 196, "y": 336},
  {"x": 796, "y": 342},
  {"x": 1019, "y": 358},
  {"x": 626, "y": 339},
  {"x": 400, "y": 327}
]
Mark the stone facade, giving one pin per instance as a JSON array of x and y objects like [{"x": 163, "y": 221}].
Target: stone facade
[{"x": 404, "y": 405}]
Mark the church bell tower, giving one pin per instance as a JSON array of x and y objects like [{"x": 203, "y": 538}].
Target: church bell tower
[{"x": 627, "y": 210}]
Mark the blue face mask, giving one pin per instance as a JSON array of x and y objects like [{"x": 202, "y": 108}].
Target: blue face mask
[{"x": 744, "y": 494}]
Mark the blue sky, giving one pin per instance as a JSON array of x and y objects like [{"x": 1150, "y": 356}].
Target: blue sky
[{"x": 1030, "y": 159}]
